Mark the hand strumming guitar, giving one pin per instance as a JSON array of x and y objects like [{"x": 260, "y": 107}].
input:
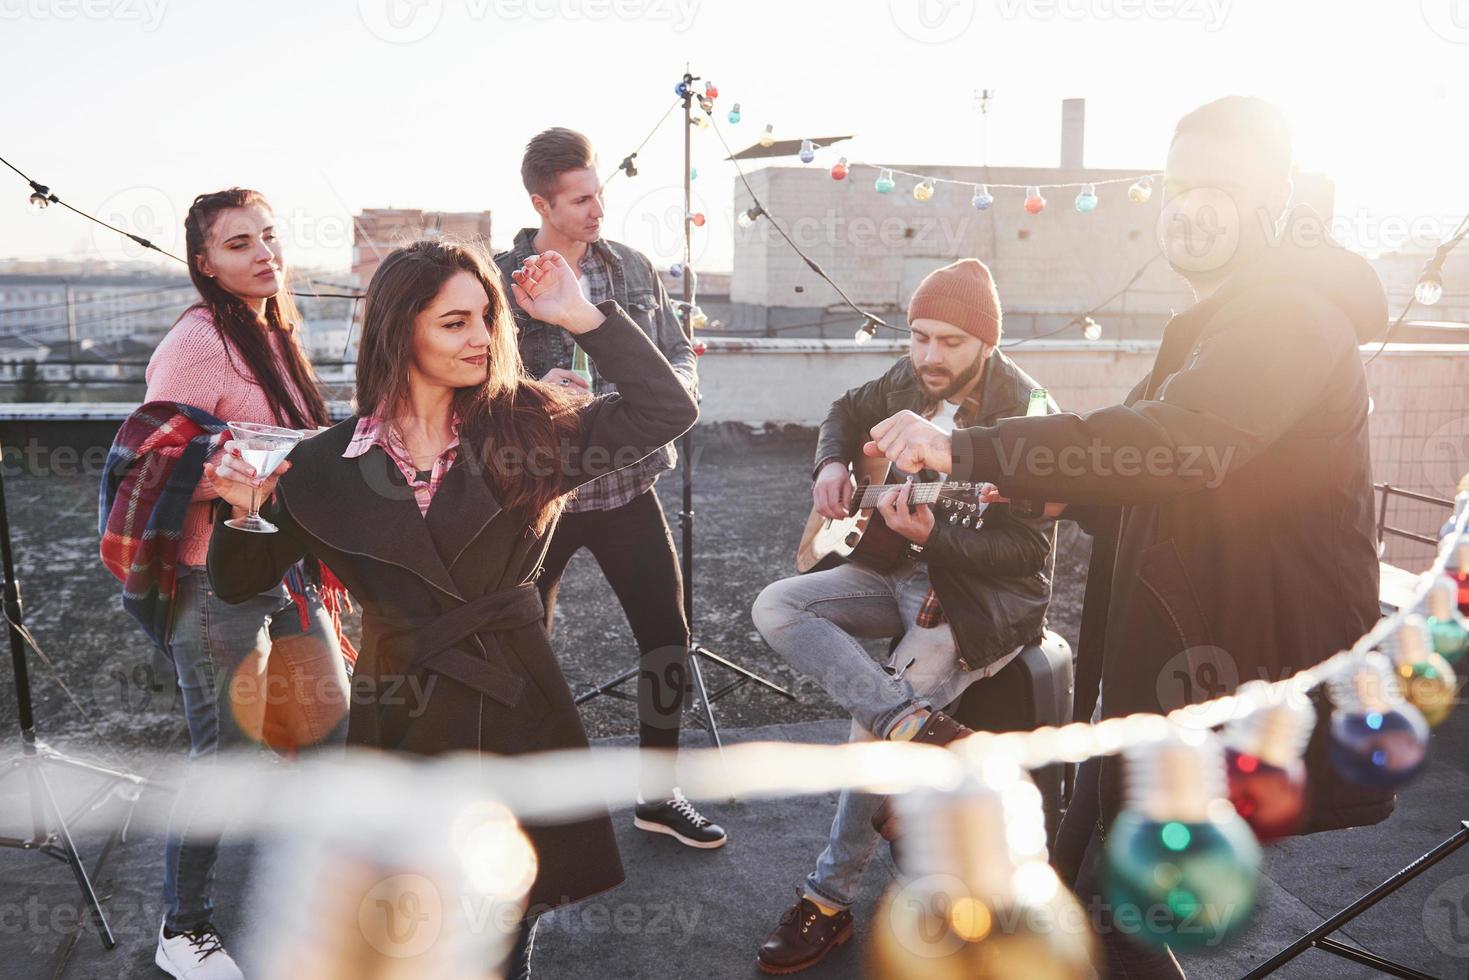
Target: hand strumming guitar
[{"x": 831, "y": 494}]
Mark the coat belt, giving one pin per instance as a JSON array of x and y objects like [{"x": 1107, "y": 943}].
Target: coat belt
[{"x": 434, "y": 642}]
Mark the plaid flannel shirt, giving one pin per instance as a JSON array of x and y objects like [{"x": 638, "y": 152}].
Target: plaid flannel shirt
[
  {"x": 620, "y": 486},
  {"x": 373, "y": 431},
  {"x": 931, "y": 612}
]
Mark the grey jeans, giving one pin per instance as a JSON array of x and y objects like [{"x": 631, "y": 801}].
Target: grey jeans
[
  {"x": 249, "y": 674},
  {"x": 815, "y": 621}
]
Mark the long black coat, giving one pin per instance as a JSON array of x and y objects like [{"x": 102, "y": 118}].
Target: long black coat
[
  {"x": 449, "y": 597},
  {"x": 1232, "y": 496}
]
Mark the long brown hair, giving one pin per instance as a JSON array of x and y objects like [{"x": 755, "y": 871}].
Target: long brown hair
[
  {"x": 294, "y": 399},
  {"x": 512, "y": 420}
]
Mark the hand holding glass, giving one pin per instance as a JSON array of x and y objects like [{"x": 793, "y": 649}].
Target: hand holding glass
[{"x": 264, "y": 447}]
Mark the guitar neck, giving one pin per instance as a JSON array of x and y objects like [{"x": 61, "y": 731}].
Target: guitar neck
[{"x": 920, "y": 493}]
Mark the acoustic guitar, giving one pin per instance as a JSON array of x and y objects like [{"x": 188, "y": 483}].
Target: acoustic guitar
[{"x": 864, "y": 536}]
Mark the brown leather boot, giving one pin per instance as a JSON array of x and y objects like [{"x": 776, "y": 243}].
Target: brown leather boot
[
  {"x": 803, "y": 938},
  {"x": 940, "y": 729}
]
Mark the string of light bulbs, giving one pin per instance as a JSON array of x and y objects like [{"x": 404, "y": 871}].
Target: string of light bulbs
[
  {"x": 1140, "y": 189},
  {"x": 43, "y": 197},
  {"x": 1428, "y": 290},
  {"x": 1079, "y": 741}
]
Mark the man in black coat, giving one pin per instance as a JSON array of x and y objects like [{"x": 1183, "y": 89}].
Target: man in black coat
[{"x": 1230, "y": 494}]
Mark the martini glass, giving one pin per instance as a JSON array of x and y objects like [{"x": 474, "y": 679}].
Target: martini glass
[{"x": 264, "y": 447}]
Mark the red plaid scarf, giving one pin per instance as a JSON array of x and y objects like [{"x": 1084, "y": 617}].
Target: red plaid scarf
[
  {"x": 155, "y": 464},
  {"x": 931, "y": 613}
]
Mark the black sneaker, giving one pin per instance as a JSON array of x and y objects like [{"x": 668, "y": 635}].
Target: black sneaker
[{"x": 678, "y": 819}]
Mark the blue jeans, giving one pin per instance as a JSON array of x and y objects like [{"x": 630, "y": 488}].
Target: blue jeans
[
  {"x": 814, "y": 621},
  {"x": 249, "y": 675}
]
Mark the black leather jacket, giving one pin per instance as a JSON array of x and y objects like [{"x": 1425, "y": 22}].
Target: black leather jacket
[{"x": 994, "y": 583}]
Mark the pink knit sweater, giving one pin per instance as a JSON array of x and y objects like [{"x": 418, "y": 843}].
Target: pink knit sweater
[{"x": 192, "y": 365}]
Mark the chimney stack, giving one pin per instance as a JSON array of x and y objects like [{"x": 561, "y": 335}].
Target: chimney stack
[{"x": 1073, "y": 133}]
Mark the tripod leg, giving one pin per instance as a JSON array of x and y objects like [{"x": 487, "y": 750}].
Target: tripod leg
[
  {"x": 711, "y": 724},
  {"x": 74, "y": 859},
  {"x": 1377, "y": 894},
  {"x": 703, "y": 692},
  {"x": 744, "y": 672}
]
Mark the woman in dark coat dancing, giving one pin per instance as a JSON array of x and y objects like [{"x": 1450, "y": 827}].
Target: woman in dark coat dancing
[{"x": 434, "y": 505}]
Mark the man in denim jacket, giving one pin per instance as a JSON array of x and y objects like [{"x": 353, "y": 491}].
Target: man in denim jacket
[{"x": 617, "y": 517}]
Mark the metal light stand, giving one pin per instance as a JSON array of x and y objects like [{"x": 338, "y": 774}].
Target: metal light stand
[
  {"x": 50, "y": 835},
  {"x": 1319, "y": 938},
  {"x": 702, "y": 711}
]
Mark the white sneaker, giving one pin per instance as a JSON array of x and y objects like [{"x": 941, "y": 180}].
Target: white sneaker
[{"x": 196, "y": 955}]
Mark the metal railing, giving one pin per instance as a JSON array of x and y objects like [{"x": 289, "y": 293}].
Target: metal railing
[{"x": 1388, "y": 491}]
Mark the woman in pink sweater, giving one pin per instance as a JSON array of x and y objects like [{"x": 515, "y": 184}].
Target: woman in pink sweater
[{"x": 235, "y": 355}]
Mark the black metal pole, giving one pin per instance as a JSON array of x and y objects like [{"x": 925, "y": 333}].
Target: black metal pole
[
  {"x": 686, "y": 519},
  {"x": 1371, "y": 898},
  {"x": 13, "y": 617}
]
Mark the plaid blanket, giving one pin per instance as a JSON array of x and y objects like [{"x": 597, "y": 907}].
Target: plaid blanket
[{"x": 154, "y": 466}]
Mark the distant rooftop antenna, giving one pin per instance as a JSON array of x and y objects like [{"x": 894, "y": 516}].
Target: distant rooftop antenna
[{"x": 982, "y": 99}]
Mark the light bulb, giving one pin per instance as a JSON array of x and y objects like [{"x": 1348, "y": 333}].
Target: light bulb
[
  {"x": 1377, "y": 738},
  {"x": 698, "y": 320},
  {"x": 982, "y": 199},
  {"x": 734, "y": 114},
  {"x": 706, "y": 103},
  {"x": 697, "y": 218},
  {"x": 693, "y": 173},
  {"x": 1034, "y": 203},
  {"x": 1091, "y": 329},
  {"x": 866, "y": 332},
  {"x": 1264, "y": 769},
  {"x": 1425, "y": 677},
  {"x": 747, "y": 217},
  {"x": 711, "y": 91},
  {"x": 1179, "y": 859},
  {"x": 839, "y": 169},
  {"x": 702, "y": 122},
  {"x": 628, "y": 167},
  {"x": 681, "y": 89},
  {"x": 808, "y": 152},
  {"x": 923, "y": 190},
  {"x": 1141, "y": 190},
  {"x": 1430, "y": 288},
  {"x": 1086, "y": 201},
  {"x": 884, "y": 183},
  {"x": 676, "y": 270},
  {"x": 978, "y": 900},
  {"x": 767, "y": 138},
  {"x": 39, "y": 201},
  {"x": 1447, "y": 625}
]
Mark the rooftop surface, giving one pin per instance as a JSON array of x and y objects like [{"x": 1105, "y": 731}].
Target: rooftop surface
[{"x": 682, "y": 913}]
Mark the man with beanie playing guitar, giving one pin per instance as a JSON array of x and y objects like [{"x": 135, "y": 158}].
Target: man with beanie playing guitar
[{"x": 958, "y": 605}]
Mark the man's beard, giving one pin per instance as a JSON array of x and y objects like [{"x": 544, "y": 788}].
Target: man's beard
[{"x": 955, "y": 386}]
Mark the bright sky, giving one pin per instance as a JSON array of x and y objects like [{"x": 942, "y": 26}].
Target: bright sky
[{"x": 129, "y": 108}]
